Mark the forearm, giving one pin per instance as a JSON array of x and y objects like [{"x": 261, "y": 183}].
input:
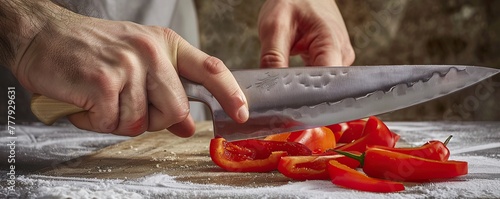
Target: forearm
[{"x": 20, "y": 21}]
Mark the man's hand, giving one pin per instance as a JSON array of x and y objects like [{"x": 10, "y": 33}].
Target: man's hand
[
  {"x": 313, "y": 29},
  {"x": 126, "y": 75}
]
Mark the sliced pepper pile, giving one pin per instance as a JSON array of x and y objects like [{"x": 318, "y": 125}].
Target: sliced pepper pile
[{"x": 313, "y": 154}]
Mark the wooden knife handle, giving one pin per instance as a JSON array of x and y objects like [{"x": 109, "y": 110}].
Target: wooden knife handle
[{"x": 49, "y": 110}]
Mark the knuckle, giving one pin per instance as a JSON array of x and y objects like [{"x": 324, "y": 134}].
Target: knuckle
[
  {"x": 269, "y": 22},
  {"x": 122, "y": 58},
  {"x": 214, "y": 65},
  {"x": 174, "y": 46},
  {"x": 169, "y": 33},
  {"x": 179, "y": 112},
  {"x": 104, "y": 84},
  {"x": 237, "y": 97},
  {"x": 133, "y": 117},
  {"x": 272, "y": 26},
  {"x": 171, "y": 37},
  {"x": 272, "y": 58},
  {"x": 143, "y": 45}
]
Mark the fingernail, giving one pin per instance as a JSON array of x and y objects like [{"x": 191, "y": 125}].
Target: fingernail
[
  {"x": 109, "y": 127},
  {"x": 243, "y": 113}
]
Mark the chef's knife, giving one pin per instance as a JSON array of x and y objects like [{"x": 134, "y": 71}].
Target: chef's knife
[{"x": 291, "y": 99}]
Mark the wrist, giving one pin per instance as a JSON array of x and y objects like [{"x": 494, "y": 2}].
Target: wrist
[{"x": 22, "y": 20}]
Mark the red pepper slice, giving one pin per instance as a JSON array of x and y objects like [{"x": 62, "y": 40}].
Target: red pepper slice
[
  {"x": 311, "y": 167},
  {"x": 345, "y": 176},
  {"x": 375, "y": 133},
  {"x": 433, "y": 150},
  {"x": 339, "y": 130},
  {"x": 317, "y": 139},
  {"x": 380, "y": 163},
  {"x": 252, "y": 155},
  {"x": 262, "y": 148},
  {"x": 278, "y": 137},
  {"x": 347, "y": 132}
]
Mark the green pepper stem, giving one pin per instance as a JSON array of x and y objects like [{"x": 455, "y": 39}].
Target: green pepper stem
[
  {"x": 447, "y": 140},
  {"x": 359, "y": 158}
]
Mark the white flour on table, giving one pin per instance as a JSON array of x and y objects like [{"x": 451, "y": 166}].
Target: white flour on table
[
  {"x": 476, "y": 144},
  {"x": 483, "y": 181}
]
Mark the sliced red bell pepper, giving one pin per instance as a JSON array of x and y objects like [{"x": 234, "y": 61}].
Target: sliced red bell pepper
[
  {"x": 262, "y": 148},
  {"x": 339, "y": 130},
  {"x": 347, "y": 132},
  {"x": 375, "y": 133},
  {"x": 311, "y": 167},
  {"x": 278, "y": 137},
  {"x": 317, "y": 139},
  {"x": 384, "y": 164},
  {"x": 434, "y": 150},
  {"x": 252, "y": 155},
  {"x": 345, "y": 176}
]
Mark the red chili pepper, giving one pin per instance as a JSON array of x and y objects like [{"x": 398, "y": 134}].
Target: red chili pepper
[
  {"x": 311, "y": 167},
  {"x": 345, "y": 176},
  {"x": 375, "y": 133},
  {"x": 347, "y": 132},
  {"x": 252, "y": 155},
  {"x": 317, "y": 139},
  {"x": 434, "y": 150},
  {"x": 384, "y": 164}
]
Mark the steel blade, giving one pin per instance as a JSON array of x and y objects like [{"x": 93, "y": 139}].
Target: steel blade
[{"x": 285, "y": 100}]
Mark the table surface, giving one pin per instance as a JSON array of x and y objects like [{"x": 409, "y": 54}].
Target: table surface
[{"x": 40, "y": 147}]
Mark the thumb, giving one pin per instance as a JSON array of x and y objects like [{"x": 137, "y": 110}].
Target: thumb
[{"x": 276, "y": 38}]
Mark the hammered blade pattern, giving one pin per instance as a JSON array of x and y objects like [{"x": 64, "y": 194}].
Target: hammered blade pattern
[{"x": 284, "y": 100}]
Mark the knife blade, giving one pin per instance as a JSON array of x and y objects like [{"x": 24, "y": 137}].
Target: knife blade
[
  {"x": 286, "y": 100},
  {"x": 291, "y": 99}
]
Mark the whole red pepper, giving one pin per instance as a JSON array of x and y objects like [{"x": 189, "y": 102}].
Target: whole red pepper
[
  {"x": 375, "y": 133},
  {"x": 384, "y": 164},
  {"x": 434, "y": 150}
]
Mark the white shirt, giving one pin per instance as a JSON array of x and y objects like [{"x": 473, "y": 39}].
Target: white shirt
[{"x": 147, "y": 12}]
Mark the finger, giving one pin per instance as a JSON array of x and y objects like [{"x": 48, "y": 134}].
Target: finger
[
  {"x": 209, "y": 71},
  {"x": 103, "y": 117},
  {"x": 133, "y": 109},
  {"x": 133, "y": 102},
  {"x": 327, "y": 57},
  {"x": 319, "y": 49},
  {"x": 169, "y": 104},
  {"x": 276, "y": 37},
  {"x": 183, "y": 129},
  {"x": 120, "y": 103},
  {"x": 103, "y": 109}
]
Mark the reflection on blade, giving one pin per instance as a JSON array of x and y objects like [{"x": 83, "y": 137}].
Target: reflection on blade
[{"x": 290, "y": 100}]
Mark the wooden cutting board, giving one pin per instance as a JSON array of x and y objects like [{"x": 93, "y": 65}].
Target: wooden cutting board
[{"x": 186, "y": 159}]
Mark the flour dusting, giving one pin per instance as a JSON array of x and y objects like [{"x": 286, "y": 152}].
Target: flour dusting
[
  {"x": 482, "y": 181},
  {"x": 477, "y": 144}
]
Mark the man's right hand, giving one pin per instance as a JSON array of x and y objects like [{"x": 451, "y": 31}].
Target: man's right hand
[{"x": 125, "y": 75}]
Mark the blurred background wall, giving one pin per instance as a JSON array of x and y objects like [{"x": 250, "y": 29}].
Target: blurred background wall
[
  {"x": 385, "y": 32},
  {"x": 381, "y": 31}
]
